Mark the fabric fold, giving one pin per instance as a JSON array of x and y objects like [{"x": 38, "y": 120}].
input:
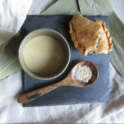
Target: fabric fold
[{"x": 12, "y": 16}]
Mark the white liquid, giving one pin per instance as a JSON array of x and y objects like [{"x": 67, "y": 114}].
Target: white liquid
[{"x": 43, "y": 55}]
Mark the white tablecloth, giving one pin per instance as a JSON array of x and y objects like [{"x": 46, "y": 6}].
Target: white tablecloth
[{"x": 12, "y": 16}]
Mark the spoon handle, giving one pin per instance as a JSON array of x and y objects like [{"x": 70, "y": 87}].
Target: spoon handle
[{"x": 27, "y": 97}]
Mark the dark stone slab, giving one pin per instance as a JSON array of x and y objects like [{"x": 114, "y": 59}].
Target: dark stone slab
[{"x": 98, "y": 92}]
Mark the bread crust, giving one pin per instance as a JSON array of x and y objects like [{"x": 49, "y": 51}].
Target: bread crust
[
  {"x": 84, "y": 33},
  {"x": 105, "y": 44}
]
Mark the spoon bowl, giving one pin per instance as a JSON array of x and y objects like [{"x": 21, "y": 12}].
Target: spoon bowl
[
  {"x": 70, "y": 80},
  {"x": 79, "y": 83}
]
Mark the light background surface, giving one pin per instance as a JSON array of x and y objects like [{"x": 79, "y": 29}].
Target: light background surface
[{"x": 12, "y": 16}]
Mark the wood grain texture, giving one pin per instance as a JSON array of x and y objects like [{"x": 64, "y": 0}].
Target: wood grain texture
[
  {"x": 27, "y": 97},
  {"x": 70, "y": 80}
]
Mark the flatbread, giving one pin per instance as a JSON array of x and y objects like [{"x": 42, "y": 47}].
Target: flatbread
[
  {"x": 84, "y": 33},
  {"x": 105, "y": 44}
]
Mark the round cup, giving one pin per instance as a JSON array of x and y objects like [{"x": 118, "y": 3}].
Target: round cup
[{"x": 59, "y": 38}]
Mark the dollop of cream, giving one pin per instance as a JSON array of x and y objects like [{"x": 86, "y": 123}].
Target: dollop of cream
[{"x": 83, "y": 73}]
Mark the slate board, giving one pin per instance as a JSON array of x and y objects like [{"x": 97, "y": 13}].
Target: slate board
[{"x": 66, "y": 95}]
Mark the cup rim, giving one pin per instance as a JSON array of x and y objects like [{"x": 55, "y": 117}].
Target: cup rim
[{"x": 32, "y": 74}]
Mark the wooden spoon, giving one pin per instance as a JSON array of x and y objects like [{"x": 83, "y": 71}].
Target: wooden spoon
[{"x": 70, "y": 80}]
